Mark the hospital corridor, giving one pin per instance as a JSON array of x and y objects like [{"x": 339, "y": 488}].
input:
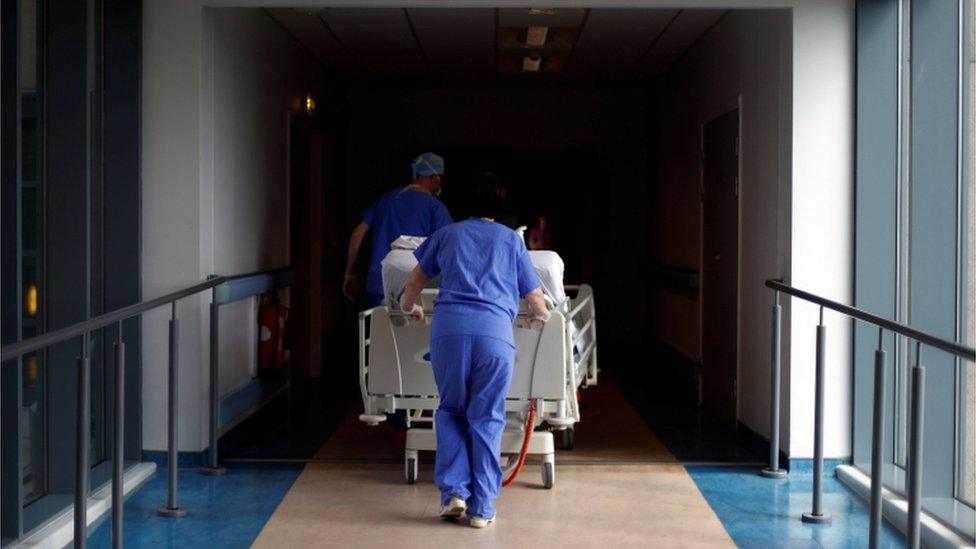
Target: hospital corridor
[{"x": 463, "y": 273}]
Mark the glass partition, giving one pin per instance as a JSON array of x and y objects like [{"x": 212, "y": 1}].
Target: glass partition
[{"x": 966, "y": 476}]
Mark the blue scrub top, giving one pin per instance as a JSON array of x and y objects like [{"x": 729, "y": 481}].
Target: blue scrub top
[
  {"x": 485, "y": 270},
  {"x": 403, "y": 211}
]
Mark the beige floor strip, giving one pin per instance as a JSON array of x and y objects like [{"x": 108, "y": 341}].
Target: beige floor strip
[
  {"x": 370, "y": 506},
  {"x": 619, "y": 488}
]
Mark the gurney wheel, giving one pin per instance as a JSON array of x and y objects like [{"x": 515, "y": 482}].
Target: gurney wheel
[
  {"x": 411, "y": 470},
  {"x": 548, "y": 475}
]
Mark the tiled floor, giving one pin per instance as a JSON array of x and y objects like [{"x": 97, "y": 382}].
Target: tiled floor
[
  {"x": 224, "y": 511},
  {"x": 765, "y": 513}
]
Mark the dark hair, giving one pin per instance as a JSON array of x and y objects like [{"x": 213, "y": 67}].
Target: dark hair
[{"x": 489, "y": 197}]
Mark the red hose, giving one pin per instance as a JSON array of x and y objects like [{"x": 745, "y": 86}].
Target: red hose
[{"x": 529, "y": 425}]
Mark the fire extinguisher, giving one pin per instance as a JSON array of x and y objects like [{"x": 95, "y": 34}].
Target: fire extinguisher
[{"x": 272, "y": 317}]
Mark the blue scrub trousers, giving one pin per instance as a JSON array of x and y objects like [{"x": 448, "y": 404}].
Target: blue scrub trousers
[{"x": 472, "y": 374}]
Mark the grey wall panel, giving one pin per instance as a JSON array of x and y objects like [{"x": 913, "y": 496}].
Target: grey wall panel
[
  {"x": 67, "y": 189},
  {"x": 10, "y": 466},
  {"x": 123, "y": 193},
  {"x": 935, "y": 52},
  {"x": 875, "y": 195}
]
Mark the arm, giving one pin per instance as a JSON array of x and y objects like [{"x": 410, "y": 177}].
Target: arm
[
  {"x": 350, "y": 284},
  {"x": 408, "y": 301},
  {"x": 537, "y": 304}
]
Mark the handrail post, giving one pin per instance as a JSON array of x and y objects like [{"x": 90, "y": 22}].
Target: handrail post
[
  {"x": 877, "y": 442},
  {"x": 917, "y": 435},
  {"x": 82, "y": 413},
  {"x": 118, "y": 446},
  {"x": 817, "y": 515},
  {"x": 172, "y": 508},
  {"x": 774, "y": 471},
  {"x": 213, "y": 465}
]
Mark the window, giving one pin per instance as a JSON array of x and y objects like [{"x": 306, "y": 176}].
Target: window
[
  {"x": 915, "y": 237},
  {"x": 68, "y": 162},
  {"x": 33, "y": 405}
]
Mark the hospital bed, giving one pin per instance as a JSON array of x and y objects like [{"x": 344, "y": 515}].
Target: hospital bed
[{"x": 552, "y": 362}]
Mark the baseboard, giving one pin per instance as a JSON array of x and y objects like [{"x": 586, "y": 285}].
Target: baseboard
[
  {"x": 242, "y": 403},
  {"x": 186, "y": 460},
  {"x": 895, "y": 510},
  {"x": 760, "y": 441},
  {"x": 58, "y": 531},
  {"x": 805, "y": 465}
]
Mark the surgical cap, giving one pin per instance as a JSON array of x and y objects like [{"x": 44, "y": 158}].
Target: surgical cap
[{"x": 428, "y": 164}]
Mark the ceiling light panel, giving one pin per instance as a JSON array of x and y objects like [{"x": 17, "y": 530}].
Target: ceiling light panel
[
  {"x": 536, "y": 36},
  {"x": 510, "y": 17}
]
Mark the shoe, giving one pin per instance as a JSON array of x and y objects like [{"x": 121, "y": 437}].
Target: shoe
[
  {"x": 454, "y": 509},
  {"x": 481, "y": 522}
]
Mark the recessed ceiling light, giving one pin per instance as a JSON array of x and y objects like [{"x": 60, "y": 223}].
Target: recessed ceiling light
[
  {"x": 536, "y": 36},
  {"x": 531, "y": 64},
  {"x": 542, "y": 11}
]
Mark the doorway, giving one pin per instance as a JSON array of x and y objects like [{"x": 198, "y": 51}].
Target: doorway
[{"x": 720, "y": 265}]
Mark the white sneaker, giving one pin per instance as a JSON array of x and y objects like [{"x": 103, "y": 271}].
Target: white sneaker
[
  {"x": 481, "y": 522},
  {"x": 454, "y": 508}
]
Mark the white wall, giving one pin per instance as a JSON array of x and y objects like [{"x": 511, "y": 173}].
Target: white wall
[
  {"x": 217, "y": 86},
  {"x": 739, "y": 63},
  {"x": 797, "y": 227},
  {"x": 821, "y": 217}
]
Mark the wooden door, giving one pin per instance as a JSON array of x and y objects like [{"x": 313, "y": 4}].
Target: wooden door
[{"x": 720, "y": 265}]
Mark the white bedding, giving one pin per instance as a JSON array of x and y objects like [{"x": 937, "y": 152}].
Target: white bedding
[{"x": 400, "y": 261}]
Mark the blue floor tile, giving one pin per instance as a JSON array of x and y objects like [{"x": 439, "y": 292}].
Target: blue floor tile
[
  {"x": 760, "y": 512},
  {"x": 224, "y": 511}
]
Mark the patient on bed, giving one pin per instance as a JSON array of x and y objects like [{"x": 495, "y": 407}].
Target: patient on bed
[{"x": 400, "y": 261}]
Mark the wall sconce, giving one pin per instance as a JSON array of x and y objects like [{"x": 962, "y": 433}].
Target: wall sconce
[{"x": 308, "y": 105}]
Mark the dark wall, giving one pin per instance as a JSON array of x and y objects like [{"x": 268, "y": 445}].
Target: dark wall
[{"x": 578, "y": 153}]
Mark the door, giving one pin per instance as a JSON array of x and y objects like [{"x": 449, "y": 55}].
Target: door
[
  {"x": 305, "y": 157},
  {"x": 720, "y": 265}
]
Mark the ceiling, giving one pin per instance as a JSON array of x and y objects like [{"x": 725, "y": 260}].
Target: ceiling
[{"x": 507, "y": 45}]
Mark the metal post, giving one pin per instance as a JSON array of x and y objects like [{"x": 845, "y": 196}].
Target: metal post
[
  {"x": 213, "y": 466},
  {"x": 773, "y": 471},
  {"x": 917, "y": 407},
  {"x": 82, "y": 413},
  {"x": 172, "y": 508},
  {"x": 877, "y": 442},
  {"x": 118, "y": 446},
  {"x": 817, "y": 515}
]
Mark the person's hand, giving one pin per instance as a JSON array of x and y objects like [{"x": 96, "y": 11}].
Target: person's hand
[
  {"x": 350, "y": 287},
  {"x": 542, "y": 316},
  {"x": 416, "y": 311}
]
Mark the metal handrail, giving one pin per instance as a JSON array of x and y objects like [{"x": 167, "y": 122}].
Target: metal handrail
[
  {"x": 957, "y": 349},
  {"x": 35, "y": 343},
  {"x": 916, "y": 405},
  {"x": 224, "y": 291}
]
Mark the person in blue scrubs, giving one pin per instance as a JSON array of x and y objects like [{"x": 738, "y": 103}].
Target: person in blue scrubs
[
  {"x": 485, "y": 270},
  {"x": 413, "y": 210}
]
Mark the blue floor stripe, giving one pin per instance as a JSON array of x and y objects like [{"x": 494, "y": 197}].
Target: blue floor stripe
[
  {"x": 760, "y": 512},
  {"x": 225, "y": 511}
]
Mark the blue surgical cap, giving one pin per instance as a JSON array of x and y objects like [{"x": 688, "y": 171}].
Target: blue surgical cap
[{"x": 428, "y": 164}]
